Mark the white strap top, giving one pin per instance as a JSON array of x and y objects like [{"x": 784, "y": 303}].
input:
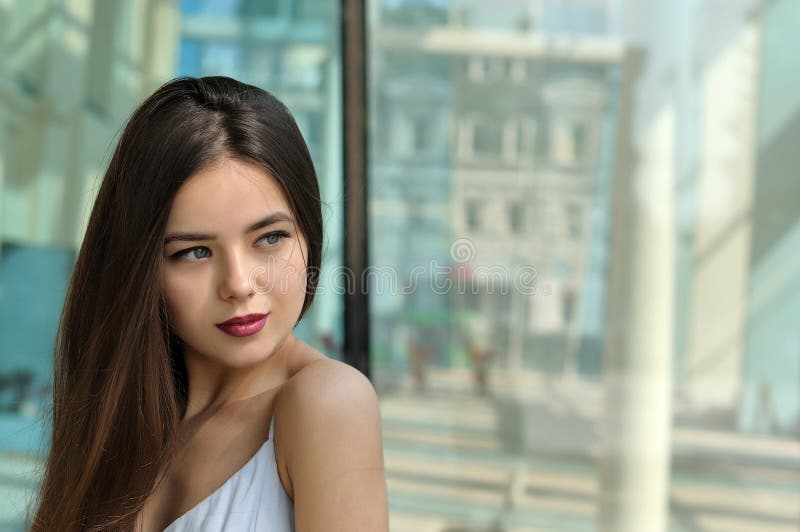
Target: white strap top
[{"x": 252, "y": 499}]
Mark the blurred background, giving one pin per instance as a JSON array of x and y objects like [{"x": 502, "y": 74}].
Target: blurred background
[{"x": 584, "y": 238}]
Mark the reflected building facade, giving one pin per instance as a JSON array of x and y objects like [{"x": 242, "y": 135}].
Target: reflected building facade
[
  {"x": 507, "y": 120},
  {"x": 531, "y": 179}
]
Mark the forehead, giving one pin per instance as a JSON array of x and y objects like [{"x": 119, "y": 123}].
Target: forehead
[{"x": 226, "y": 193}]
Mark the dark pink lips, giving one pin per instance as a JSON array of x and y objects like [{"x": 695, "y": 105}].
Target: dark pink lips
[
  {"x": 243, "y": 325},
  {"x": 243, "y": 319}
]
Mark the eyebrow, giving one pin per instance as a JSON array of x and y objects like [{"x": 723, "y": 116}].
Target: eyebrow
[{"x": 275, "y": 217}]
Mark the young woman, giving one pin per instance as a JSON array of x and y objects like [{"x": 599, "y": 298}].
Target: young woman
[{"x": 183, "y": 401}]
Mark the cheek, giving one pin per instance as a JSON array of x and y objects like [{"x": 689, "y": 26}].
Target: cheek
[
  {"x": 179, "y": 297},
  {"x": 291, "y": 288},
  {"x": 291, "y": 283},
  {"x": 286, "y": 278}
]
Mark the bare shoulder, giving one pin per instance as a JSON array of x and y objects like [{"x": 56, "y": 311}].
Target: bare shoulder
[
  {"x": 329, "y": 378},
  {"x": 332, "y": 448},
  {"x": 329, "y": 394}
]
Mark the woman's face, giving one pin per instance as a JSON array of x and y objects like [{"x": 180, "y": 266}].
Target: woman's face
[{"x": 231, "y": 250}]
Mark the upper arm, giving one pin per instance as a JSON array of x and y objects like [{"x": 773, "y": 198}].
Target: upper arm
[{"x": 333, "y": 450}]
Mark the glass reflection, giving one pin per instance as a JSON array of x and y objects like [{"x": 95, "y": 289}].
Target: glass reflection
[{"x": 588, "y": 211}]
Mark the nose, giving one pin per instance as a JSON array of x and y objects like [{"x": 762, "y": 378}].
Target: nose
[{"x": 235, "y": 278}]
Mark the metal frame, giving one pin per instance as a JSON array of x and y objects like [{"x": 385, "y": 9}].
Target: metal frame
[{"x": 356, "y": 259}]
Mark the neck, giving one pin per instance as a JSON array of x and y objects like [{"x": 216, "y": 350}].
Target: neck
[{"x": 214, "y": 387}]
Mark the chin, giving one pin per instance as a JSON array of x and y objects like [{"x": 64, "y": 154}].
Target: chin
[{"x": 248, "y": 356}]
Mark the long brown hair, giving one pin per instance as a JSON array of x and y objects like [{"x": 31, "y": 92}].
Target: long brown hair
[{"x": 119, "y": 383}]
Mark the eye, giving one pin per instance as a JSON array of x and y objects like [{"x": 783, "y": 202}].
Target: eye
[
  {"x": 198, "y": 253},
  {"x": 192, "y": 254},
  {"x": 273, "y": 238}
]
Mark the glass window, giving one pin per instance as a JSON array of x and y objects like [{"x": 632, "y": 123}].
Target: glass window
[
  {"x": 526, "y": 139},
  {"x": 643, "y": 376},
  {"x": 91, "y": 63}
]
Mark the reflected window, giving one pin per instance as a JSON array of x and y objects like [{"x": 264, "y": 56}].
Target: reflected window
[
  {"x": 568, "y": 305},
  {"x": 422, "y": 131},
  {"x": 526, "y": 139},
  {"x": 516, "y": 216},
  {"x": 579, "y": 141},
  {"x": 570, "y": 142},
  {"x": 574, "y": 220},
  {"x": 482, "y": 137},
  {"x": 519, "y": 140},
  {"x": 486, "y": 69},
  {"x": 473, "y": 211}
]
